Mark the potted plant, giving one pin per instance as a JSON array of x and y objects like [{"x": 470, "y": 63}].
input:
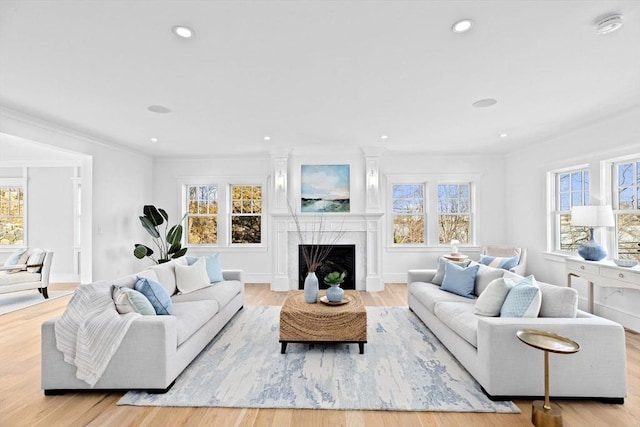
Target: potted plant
[
  {"x": 168, "y": 241},
  {"x": 335, "y": 292}
]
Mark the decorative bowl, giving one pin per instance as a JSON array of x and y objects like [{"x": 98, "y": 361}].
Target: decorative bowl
[{"x": 625, "y": 262}]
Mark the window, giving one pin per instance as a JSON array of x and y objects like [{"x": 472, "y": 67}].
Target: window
[
  {"x": 626, "y": 192},
  {"x": 202, "y": 214},
  {"x": 246, "y": 214},
  {"x": 454, "y": 213},
  {"x": 409, "y": 215},
  {"x": 12, "y": 215},
  {"x": 571, "y": 189}
]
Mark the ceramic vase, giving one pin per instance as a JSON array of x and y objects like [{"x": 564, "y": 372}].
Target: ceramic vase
[
  {"x": 311, "y": 288},
  {"x": 335, "y": 293}
]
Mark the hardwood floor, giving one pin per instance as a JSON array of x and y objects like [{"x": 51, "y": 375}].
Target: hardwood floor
[{"x": 22, "y": 402}]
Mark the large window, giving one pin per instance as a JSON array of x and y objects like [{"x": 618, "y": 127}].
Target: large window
[
  {"x": 12, "y": 215},
  {"x": 409, "y": 215},
  {"x": 454, "y": 213},
  {"x": 202, "y": 214},
  {"x": 571, "y": 189},
  {"x": 246, "y": 214},
  {"x": 626, "y": 192}
]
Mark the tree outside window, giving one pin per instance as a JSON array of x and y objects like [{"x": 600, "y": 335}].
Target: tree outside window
[
  {"x": 11, "y": 216},
  {"x": 454, "y": 213},
  {"x": 409, "y": 215},
  {"x": 627, "y": 208},
  {"x": 246, "y": 214},
  {"x": 202, "y": 214},
  {"x": 572, "y": 189}
]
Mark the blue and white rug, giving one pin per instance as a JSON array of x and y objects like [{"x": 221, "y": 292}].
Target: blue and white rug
[{"x": 404, "y": 368}]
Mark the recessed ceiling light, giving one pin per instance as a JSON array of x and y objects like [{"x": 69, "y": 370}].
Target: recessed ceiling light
[
  {"x": 609, "y": 24},
  {"x": 182, "y": 31},
  {"x": 384, "y": 136},
  {"x": 483, "y": 103},
  {"x": 158, "y": 109},
  {"x": 267, "y": 138},
  {"x": 462, "y": 25},
  {"x": 503, "y": 135},
  {"x": 153, "y": 139}
]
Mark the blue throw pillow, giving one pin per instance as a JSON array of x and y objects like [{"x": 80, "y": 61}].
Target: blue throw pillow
[
  {"x": 460, "y": 280},
  {"x": 437, "y": 279},
  {"x": 523, "y": 300},
  {"x": 214, "y": 268},
  {"x": 156, "y": 294},
  {"x": 499, "y": 262}
]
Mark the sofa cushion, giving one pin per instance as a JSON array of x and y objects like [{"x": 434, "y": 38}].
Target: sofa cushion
[
  {"x": 506, "y": 263},
  {"x": 523, "y": 300},
  {"x": 35, "y": 260},
  {"x": 485, "y": 276},
  {"x": 156, "y": 294},
  {"x": 437, "y": 279},
  {"x": 214, "y": 267},
  {"x": 17, "y": 257},
  {"x": 459, "y": 280},
  {"x": 490, "y": 301},
  {"x": 558, "y": 301},
  {"x": 192, "y": 315},
  {"x": 222, "y": 292},
  {"x": 429, "y": 294},
  {"x": 190, "y": 278},
  {"x": 166, "y": 273},
  {"x": 459, "y": 317},
  {"x": 18, "y": 277},
  {"x": 129, "y": 300}
]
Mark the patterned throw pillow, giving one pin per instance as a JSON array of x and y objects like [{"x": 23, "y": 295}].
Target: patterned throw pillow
[
  {"x": 523, "y": 300},
  {"x": 460, "y": 280},
  {"x": 499, "y": 262},
  {"x": 437, "y": 279},
  {"x": 128, "y": 300},
  {"x": 156, "y": 294}
]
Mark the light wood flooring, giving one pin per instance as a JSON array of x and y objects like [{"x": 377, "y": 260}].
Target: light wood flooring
[{"x": 22, "y": 402}]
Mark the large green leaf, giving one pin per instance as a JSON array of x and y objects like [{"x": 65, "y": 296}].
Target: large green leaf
[
  {"x": 153, "y": 215},
  {"x": 174, "y": 248},
  {"x": 164, "y": 214},
  {"x": 142, "y": 251},
  {"x": 175, "y": 234},
  {"x": 180, "y": 253},
  {"x": 148, "y": 225}
]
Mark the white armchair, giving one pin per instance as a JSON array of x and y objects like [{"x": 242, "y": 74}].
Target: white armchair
[
  {"x": 508, "y": 251},
  {"x": 28, "y": 275}
]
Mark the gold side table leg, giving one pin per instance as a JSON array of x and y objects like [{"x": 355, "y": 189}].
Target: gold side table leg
[{"x": 542, "y": 414}]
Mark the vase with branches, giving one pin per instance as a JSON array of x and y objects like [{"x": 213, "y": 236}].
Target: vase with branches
[{"x": 317, "y": 242}]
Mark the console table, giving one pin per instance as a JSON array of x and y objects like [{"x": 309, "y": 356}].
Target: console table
[{"x": 602, "y": 273}]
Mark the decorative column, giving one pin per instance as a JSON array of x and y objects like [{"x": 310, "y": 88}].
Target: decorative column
[
  {"x": 279, "y": 220},
  {"x": 372, "y": 179},
  {"x": 279, "y": 169}
]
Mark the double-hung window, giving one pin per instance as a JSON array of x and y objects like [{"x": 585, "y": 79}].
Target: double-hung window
[
  {"x": 626, "y": 193},
  {"x": 409, "y": 216},
  {"x": 12, "y": 213},
  {"x": 202, "y": 214},
  {"x": 454, "y": 213},
  {"x": 571, "y": 189},
  {"x": 246, "y": 214}
]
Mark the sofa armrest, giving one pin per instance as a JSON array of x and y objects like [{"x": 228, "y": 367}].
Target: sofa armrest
[
  {"x": 232, "y": 275},
  {"x": 425, "y": 275}
]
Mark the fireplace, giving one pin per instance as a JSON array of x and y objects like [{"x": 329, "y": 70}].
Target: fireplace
[{"x": 341, "y": 258}]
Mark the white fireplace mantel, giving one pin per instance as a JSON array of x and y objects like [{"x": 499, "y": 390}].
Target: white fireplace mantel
[{"x": 361, "y": 230}]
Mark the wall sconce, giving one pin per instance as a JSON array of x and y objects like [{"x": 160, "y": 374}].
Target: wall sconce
[
  {"x": 372, "y": 180},
  {"x": 281, "y": 180}
]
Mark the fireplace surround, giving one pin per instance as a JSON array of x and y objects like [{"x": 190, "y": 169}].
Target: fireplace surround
[{"x": 341, "y": 258}]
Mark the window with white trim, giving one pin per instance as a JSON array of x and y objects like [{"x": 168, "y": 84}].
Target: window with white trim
[
  {"x": 246, "y": 214},
  {"x": 12, "y": 214},
  {"x": 202, "y": 214},
  {"x": 571, "y": 188},
  {"x": 409, "y": 216},
  {"x": 626, "y": 193},
  {"x": 454, "y": 213}
]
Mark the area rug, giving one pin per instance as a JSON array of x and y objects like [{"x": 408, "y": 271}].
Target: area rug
[
  {"x": 404, "y": 368},
  {"x": 22, "y": 299}
]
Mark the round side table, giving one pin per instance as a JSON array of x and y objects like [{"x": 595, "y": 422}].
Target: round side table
[{"x": 542, "y": 414}]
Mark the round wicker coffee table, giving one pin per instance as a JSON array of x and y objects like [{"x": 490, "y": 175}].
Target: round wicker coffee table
[{"x": 301, "y": 322}]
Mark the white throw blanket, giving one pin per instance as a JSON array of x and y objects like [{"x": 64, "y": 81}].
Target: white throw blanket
[{"x": 91, "y": 330}]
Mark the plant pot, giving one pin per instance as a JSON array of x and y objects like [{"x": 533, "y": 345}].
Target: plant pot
[{"x": 335, "y": 293}]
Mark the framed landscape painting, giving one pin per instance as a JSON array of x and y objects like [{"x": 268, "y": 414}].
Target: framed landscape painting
[{"x": 325, "y": 188}]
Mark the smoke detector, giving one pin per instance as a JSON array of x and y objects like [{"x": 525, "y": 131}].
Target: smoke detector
[{"x": 609, "y": 24}]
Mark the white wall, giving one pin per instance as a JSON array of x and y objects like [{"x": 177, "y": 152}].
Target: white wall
[
  {"x": 527, "y": 202},
  {"x": 116, "y": 183}
]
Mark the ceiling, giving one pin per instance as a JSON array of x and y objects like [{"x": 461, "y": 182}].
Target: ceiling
[{"x": 329, "y": 75}]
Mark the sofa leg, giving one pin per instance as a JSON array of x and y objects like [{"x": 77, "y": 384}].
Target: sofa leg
[
  {"x": 160, "y": 390},
  {"x": 44, "y": 292},
  {"x": 54, "y": 392}
]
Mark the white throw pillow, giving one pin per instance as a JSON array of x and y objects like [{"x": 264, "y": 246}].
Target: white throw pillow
[
  {"x": 35, "y": 260},
  {"x": 190, "y": 278},
  {"x": 490, "y": 301}
]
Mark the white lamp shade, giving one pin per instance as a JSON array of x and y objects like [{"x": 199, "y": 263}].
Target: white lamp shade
[{"x": 592, "y": 216}]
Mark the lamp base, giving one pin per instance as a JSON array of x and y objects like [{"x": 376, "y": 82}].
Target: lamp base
[{"x": 592, "y": 250}]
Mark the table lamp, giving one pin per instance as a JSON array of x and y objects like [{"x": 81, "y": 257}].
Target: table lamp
[{"x": 592, "y": 216}]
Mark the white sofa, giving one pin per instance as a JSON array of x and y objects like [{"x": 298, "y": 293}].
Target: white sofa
[
  {"x": 31, "y": 275},
  {"x": 155, "y": 349},
  {"x": 507, "y": 368}
]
